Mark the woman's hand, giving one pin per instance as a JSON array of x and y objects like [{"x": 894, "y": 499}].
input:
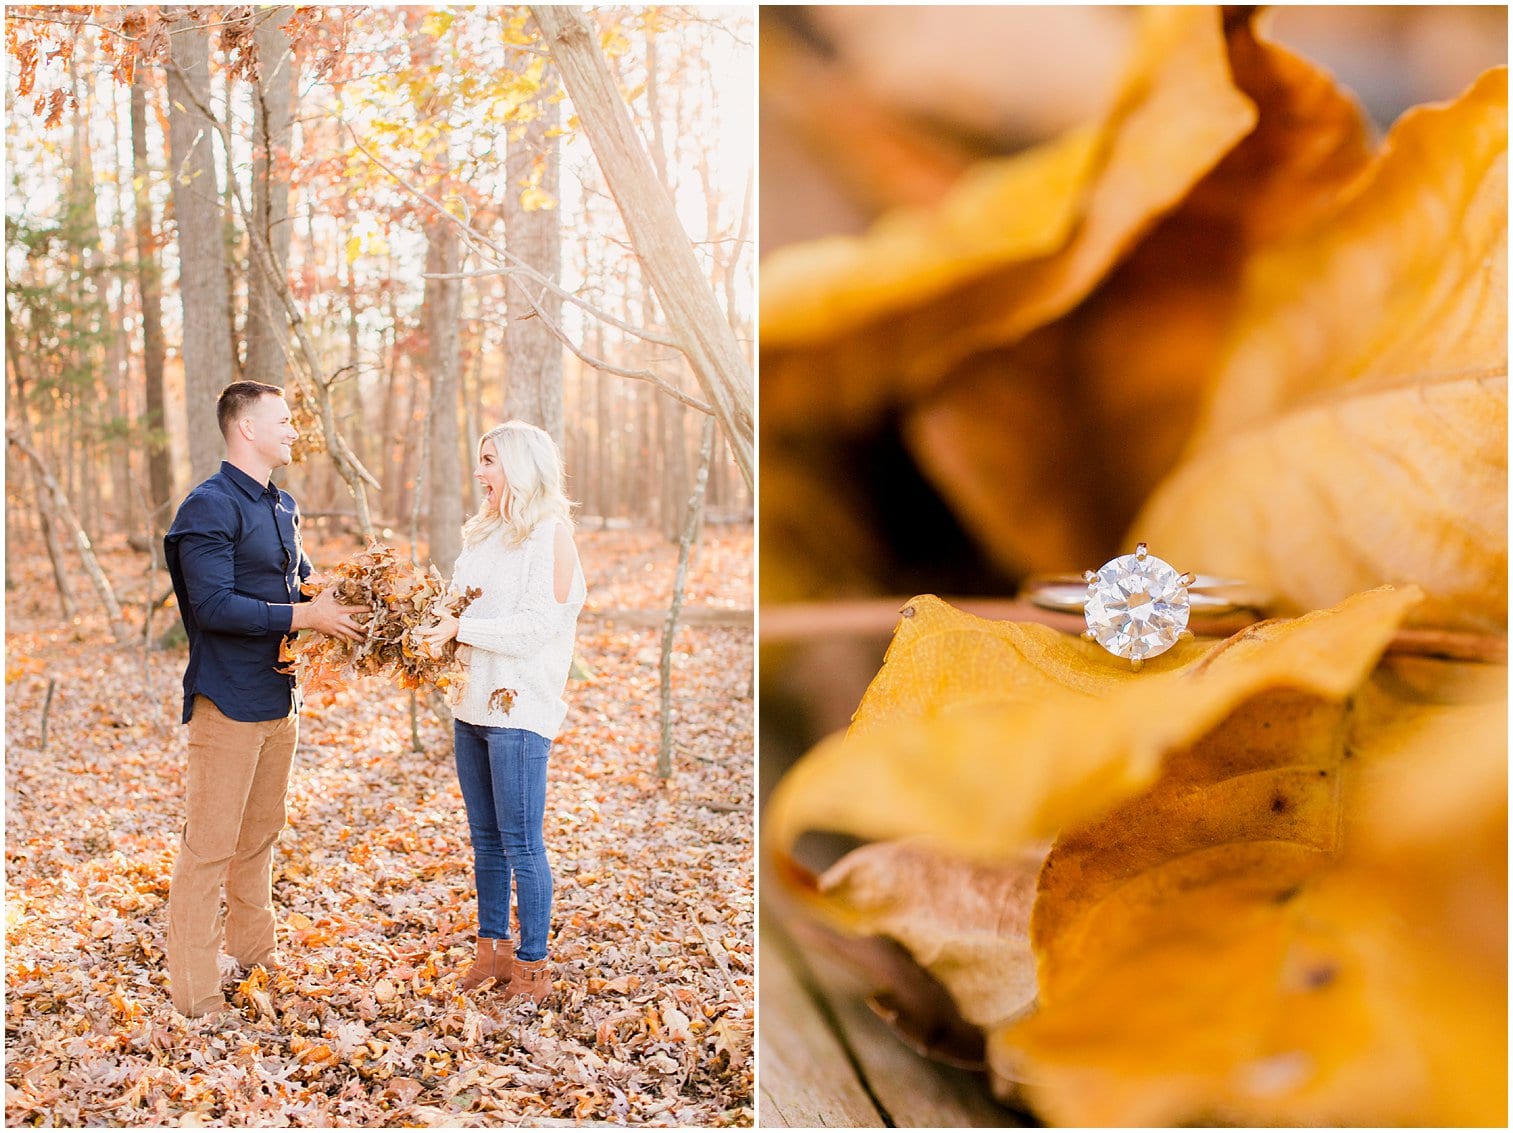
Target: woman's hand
[{"x": 438, "y": 635}]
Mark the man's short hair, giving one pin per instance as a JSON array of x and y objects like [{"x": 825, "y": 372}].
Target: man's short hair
[{"x": 237, "y": 397}]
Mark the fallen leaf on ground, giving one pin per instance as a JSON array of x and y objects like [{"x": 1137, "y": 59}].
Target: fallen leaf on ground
[{"x": 373, "y": 887}]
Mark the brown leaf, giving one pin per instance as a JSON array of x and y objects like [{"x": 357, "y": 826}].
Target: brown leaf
[
  {"x": 1357, "y": 433},
  {"x": 968, "y": 923},
  {"x": 405, "y": 602},
  {"x": 1230, "y": 945},
  {"x": 1051, "y": 309}
]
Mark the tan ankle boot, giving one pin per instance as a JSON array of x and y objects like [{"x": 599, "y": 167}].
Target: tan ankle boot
[
  {"x": 494, "y": 960},
  {"x": 532, "y": 980},
  {"x": 504, "y": 962}
]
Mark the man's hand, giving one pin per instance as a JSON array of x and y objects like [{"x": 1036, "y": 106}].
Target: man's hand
[{"x": 325, "y": 615}]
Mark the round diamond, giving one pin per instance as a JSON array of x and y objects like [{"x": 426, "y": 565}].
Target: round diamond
[{"x": 1136, "y": 606}]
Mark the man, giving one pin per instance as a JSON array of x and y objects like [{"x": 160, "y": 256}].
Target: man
[{"x": 236, "y": 560}]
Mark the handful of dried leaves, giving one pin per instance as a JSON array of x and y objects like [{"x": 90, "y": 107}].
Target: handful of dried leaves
[{"x": 406, "y": 601}]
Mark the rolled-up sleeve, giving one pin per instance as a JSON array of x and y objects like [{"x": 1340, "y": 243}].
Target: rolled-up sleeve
[{"x": 207, "y": 554}]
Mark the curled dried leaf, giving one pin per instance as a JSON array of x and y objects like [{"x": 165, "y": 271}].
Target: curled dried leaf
[{"x": 406, "y": 602}]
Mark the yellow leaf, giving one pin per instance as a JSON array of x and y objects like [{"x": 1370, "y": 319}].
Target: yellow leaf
[
  {"x": 518, "y": 33},
  {"x": 1069, "y": 209},
  {"x": 825, "y": 288},
  {"x": 1357, "y": 433},
  {"x": 354, "y": 249},
  {"x": 1234, "y": 945},
  {"x": 1240, "y": 839},
  {"x": 1056, "y": 303},
  {"x": 613, "y": 42},
  {"x": 986, "y": 736},
  {"x": 534, "y": 199},
  {"x": 436, "y": 23}
]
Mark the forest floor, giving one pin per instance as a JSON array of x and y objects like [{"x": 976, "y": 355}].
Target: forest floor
[{"x": 652, "y": 932}]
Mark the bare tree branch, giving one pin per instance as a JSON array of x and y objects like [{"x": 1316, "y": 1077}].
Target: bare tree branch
[
  {"x": 655, "y": 229},
  {"x": 65, "y": 512},
  {"x": 517, "y": 266},
  {"x": 561, "y": 336},
  {"x": 609, "y": 368}
]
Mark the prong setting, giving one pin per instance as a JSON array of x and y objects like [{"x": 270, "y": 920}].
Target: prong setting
[{"x": 1136, "y": 605}]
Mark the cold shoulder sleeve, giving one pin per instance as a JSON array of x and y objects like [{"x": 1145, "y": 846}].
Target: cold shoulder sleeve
[{"x": 538, "y": 617}]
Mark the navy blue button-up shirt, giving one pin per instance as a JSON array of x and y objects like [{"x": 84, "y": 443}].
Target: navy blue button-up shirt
[{"x": 236, "y": 559}]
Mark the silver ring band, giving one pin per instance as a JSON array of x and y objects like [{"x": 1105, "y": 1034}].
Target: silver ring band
[
  {"x": 1209, "y": 596},
  {"x": 1138, "y": 606}
]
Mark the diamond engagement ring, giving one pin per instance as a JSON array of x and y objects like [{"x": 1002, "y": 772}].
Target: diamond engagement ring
[{"x": 1137, "y": 606}]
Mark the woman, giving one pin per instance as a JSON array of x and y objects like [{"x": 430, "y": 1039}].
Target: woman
[{"x": 519, "y": 551}]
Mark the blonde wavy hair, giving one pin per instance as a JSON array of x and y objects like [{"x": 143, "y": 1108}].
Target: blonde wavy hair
[{"x": 533, "y": 492}]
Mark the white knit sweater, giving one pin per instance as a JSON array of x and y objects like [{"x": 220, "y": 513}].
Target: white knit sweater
[{"x": 521, "y": 636}]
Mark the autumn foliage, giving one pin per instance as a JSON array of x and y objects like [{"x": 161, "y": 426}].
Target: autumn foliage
[
  {"x": 405, "y": 601},
  {"x": 651, "y": 1019},
  {"x": 1264, "y": 880}
]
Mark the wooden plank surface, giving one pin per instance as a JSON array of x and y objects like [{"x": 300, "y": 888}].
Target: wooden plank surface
[
  {"x": 805, "y": 1077},
  {"x": 828, "y": 1061}
]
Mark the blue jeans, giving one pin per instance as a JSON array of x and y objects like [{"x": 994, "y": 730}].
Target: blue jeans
[{"x": 503, "y": 777}]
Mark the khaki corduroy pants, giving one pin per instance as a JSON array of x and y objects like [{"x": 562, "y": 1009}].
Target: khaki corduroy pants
[{"x": 238, "y": 774}]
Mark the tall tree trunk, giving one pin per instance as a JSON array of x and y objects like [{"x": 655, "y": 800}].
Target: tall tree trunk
[
  {"x": 352, "y": 377},
  {"x": 230, "y": 241},
  {"x": 693, "y": 314},
  {"x": 389, "y": 498},
  {"x": 690, "y": 527},
  {"x": 645, "y": 478},
  {"x": 727, "y": 264},
  {"x": 90, "y": 395},
  {"x": 126, "y": 485},
  {"x": 273, "y": 97},
  {"x": 533, "y": 374},
  {"x": 672, "y": 484},
  {"x": 444, "y": 474},
  {"x": 208, "y": 366},
  {"x": 731, "y": 261},
  {"x": 441, "y": 310},
  {"x": 414, "y": 422},
  {"x": 674, "y": 464},
  {"x": 472, "y": 393},
  {"x": 603, "y": 461}
]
